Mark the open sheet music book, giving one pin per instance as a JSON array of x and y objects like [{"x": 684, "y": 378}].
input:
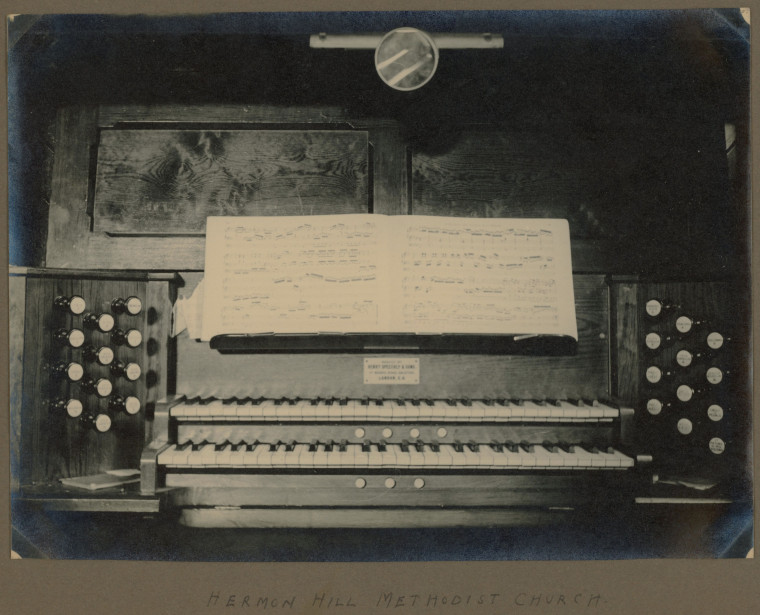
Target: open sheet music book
[{"x": 370, "y": 273}]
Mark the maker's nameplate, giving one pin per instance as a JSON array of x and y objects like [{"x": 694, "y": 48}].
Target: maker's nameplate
[{"x": 391, "y": 370}]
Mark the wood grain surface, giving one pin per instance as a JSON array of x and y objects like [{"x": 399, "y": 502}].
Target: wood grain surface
[{"x": 168, "y": 181}]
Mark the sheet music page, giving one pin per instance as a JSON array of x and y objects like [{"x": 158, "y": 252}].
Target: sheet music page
[
  {"x": 295, "y": 274},
  {"x": 475, "y": 275}
]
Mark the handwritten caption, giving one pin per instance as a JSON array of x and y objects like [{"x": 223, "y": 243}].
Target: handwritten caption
[{"x": 322, "y": 601}]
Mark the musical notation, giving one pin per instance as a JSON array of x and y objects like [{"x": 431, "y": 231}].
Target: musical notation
[
  {"x": 481, "y": 276},
  {"x": 362, "y": 273}
]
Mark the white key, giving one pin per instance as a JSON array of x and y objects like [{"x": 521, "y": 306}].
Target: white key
[
  {"x": 202, "y": 457},
  {"x": 403, "y": 459},
  {"x": 515, "y": 411},
  {"x": 336, "y": 412},
  {"x": 594, "y": 460},
  {"x": 570, "y": 460},
  {"x": 430, "y": 457},
  {"x": 361, "y": 457},
  {"x": 472, "y": 459},
  {"x": 334, "y": 457},
  {"x": 237, "y": 457},
  {"x": 223, "y": 456},
  {"x": 433, "y": 411},
  {"x": 555, "y": 460},
  {"x": 375, "y": 457},
  {"x": 416, "y": 458},
  {"x": 278, "y": 456},
  {"x": 320, "y": 456},
  {"x": 445, "y": 458},
  {"x": 166, "y": 457},
  {"x": 485, "y": 411},
  {"x": 305, "y": 456},
  {"x": 458, "y": 460},
  {"x": 610, "y": 459},
  {"x": 388, "y": 457},
  {"x": 250, "y": 458}
]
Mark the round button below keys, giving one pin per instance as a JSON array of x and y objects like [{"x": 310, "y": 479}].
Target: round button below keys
[
  {"x": 419, "y": 483},
  {"x": 360, "y": 483},
  {"x": 390, "y": 483}
]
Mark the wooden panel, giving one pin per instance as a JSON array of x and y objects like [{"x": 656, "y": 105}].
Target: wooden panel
[
  {"x": 203, "y": 371},
  {"x": 609, "y": 182},
  {"x": 718, "y": 306},
  {"x": 68, "y": 218},
  {"x": 367, "y": 518},
  {"x": 169, "y": 181},
  {"x": 54, "y": 445},
  {"x": 16, "y": 317},
  {"x": 439, "y": 490}
]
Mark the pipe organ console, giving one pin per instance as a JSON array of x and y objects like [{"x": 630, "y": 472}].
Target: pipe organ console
[
  {"x": 653, "y": 407},
  {"x": 300, "y": 439}
]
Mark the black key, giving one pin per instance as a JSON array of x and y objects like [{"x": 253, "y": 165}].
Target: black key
[
  {"x": 497, "y": 446},
  {"x": 526, "y": 446},
  {"x": 342, "y": 446},
  {"x": 550, "y": 446},
  {"x": 473, "y": 446},
  {"x": 222, "y": 446},
  {"x": 405, "y": 446},
  {"x": 366, "y": 446},
  {"x": 313, "y": 445},
  {"x": 382, "y": 446},
  {"x": 458, "y": 446}
]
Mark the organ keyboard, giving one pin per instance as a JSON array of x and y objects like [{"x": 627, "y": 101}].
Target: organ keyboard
[{"x": 301, "y": 439}]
